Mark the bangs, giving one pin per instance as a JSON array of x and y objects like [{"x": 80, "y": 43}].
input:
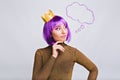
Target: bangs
[{"x": 58, "y": 23}]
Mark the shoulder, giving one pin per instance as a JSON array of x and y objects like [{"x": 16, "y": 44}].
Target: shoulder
[
  {"x": 40, "y": 51},
  {"x": 71, "y": 48}
]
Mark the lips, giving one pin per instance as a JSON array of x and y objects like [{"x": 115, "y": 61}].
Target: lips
[{"x": 64, "y": 36}]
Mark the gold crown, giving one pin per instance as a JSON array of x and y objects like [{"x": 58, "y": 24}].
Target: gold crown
[{"x": 48, "y": 16}]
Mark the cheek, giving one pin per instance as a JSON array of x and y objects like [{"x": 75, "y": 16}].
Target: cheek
[
  {"x": 66, "y": 31},
  {"x": 55, "y": 34},
  {"x": 55, "y": 37}
]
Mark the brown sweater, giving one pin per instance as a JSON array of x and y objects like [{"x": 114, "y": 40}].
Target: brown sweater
[{"x": 46, "y": 67}]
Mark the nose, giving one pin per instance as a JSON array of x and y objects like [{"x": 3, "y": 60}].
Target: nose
[{"x": 63, "y": 31}]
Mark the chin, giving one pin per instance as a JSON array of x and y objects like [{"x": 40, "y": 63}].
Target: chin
[{"x": 61, "y": 40}]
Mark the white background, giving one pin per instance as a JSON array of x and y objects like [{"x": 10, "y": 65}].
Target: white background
[{"x": 21, "y": 35}]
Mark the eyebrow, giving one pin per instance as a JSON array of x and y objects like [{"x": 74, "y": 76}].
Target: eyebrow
[{"x": 58, "y": 25}]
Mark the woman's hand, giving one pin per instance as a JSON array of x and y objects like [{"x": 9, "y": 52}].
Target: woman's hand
[{"x": 57, "y": 47}]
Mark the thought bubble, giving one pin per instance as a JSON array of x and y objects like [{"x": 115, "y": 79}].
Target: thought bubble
[{"x": 80, "y": 13}]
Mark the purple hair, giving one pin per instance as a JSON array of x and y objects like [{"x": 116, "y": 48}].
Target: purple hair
[{"x": 48, "y": 27}]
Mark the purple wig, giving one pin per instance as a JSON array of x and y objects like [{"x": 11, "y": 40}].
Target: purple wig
[{"x": 48, "y": 27}]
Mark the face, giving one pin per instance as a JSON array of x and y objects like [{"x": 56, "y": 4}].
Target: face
[{"x": 59, "y": 33}]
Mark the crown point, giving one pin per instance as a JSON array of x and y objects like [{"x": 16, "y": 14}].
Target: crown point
[{"x": 47, "y": 16}]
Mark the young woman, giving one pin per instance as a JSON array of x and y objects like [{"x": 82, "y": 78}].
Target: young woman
[{"x": 56, "y": 61}]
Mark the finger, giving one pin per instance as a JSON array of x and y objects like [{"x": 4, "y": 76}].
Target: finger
[
  {"x": 61, "y": 48},
  {"x": 58, "y": 47}
]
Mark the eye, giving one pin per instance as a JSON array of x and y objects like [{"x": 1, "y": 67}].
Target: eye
[
  {"x": 65, "y": 27},
  {"x": 57, "y": 28}
]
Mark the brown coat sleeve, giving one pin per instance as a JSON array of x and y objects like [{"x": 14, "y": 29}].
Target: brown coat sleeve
[
  {"x": 88, "y": 64},
  {"x": 40, "y": 71}
]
